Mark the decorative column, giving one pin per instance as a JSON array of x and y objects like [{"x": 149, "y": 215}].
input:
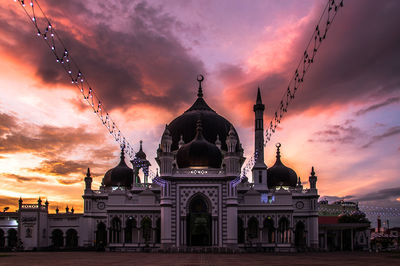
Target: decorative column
[
  {"x": 215, "y": 231},
  {"x": 352, "y": 240},
  {"x": 6, "y": 239},
  {"x": 153, "y": 229},
  {"x": 123, "y": 234},
  {"x": 326, "y": 240},
  {"x": 341, "y": 240},
  {"x": 183, "y": 231},
  {"x": 166, "y": 206},
  {"x": 232, "y": 214}
]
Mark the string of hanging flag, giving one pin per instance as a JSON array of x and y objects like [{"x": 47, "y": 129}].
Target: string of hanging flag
[
  {"x": 319, "y": 35},
  {"x": 46, "y": 31}
]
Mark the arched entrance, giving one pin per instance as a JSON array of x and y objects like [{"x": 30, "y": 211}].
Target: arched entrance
[
  {"x": 158, "y": 231},
  {"x": 252, "y": 229},
  {"x": 12, "y": 238},
  {"x": 269, "y": 230},
  {"x": 2, "y": 239},
  {"x": 115, "y": 230},
  {"x": 283, "y": 230},
  {"x": 71, "y": 240},
  {"x": 146, "y": 230},
  {"x": 101, "y": 235},
  {"x": 199, "y": 223},
  {"x": 240, "y": 232},
  {"x": 57, "y": 238},
  {"x": 129, "y": 228},
  {"x": 300, "y": 236}
]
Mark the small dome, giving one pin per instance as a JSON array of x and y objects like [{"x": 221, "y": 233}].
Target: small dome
[
  {"x": 121, "y": 175},
  {"x": 279, "y": 174},
  {"x": 140, "y": 154},
  {"x": 199, "y": 152}
]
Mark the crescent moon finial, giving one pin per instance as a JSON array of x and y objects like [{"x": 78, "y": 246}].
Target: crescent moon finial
[{"x": 200, "y": 79}]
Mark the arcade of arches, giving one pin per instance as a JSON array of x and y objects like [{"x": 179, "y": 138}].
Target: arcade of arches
[
  {"x": 132, "y": 233},
  {"x": 67, "y": 240},
  {"x": 8, "y": 238},
  {"x": 268, "y": 233}
]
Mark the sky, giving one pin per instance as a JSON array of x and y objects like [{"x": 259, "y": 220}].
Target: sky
[{"x": 142, "y": 59}]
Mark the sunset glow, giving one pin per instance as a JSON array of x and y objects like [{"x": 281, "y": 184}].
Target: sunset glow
[{"x": 142, "y": 58}]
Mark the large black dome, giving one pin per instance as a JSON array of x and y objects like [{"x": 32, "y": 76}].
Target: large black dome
[
  {"x": 279, "y": 174},
  {"x": 121, "y": 175},
  {"x": 213, "y": 124},
  {"x": 199, "y": 152}
]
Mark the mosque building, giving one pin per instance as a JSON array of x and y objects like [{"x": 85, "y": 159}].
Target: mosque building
[{"x": 196, "y": 202}]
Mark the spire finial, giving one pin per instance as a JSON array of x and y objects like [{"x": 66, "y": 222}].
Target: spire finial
[
  {"x": 200, "y": 79},
  {"x": 141, "y": 142},
  {"x": 312, "y": 171},
  {"x": 88, "y": 172},
  {"x": 278, "y": 151},
  {"x": 259, "y": 101},
  {"x": 122, "y": 152}
]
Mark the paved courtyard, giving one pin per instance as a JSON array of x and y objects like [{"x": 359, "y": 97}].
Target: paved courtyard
[{"x": 116, "y": 258}]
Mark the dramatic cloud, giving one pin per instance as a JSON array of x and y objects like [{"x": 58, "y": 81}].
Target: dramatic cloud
[
  {"x": 60, "y": 167},
  {"x": 143, "y": 62},
  {"x": 388, "y": 133},
  {"x": 384, "y": 194},
  {"x": 341, "y": 134},
  {"x": 336, "y": 198},
  {"x": 22, "y": 179},
  {"x": 44, "y": 140},
  {"x": 344, "y": 71},
  {"x": 378, "y": 105}
]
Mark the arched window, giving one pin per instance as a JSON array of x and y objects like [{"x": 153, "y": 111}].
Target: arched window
[
  {"x": 283, "y": 230},
  {"x": 269, "y": 230},
  {"x": 57, "y": 238},
  {"x": 2, "y": 239},
  {"x": 101, "y": 235},
  {"x": 240, "y": 231},
  {"x": 12, "y": 238},
  {"x": 146, "y": 229},
  {"x": 158, "y": 231},
  {"x": 300, "y": 236},
  {"x": 71, "y": 240},
  {"x": 130, "y": 229},
  {"x": 252, "y": 229},
  {"x": 115, "y": 230}
]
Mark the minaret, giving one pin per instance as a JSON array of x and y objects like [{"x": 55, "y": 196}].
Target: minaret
[
  {"x": 88, "y": 181},
  {"x": 259, "y": 169},
  {"x": 313, "y": 179}
]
